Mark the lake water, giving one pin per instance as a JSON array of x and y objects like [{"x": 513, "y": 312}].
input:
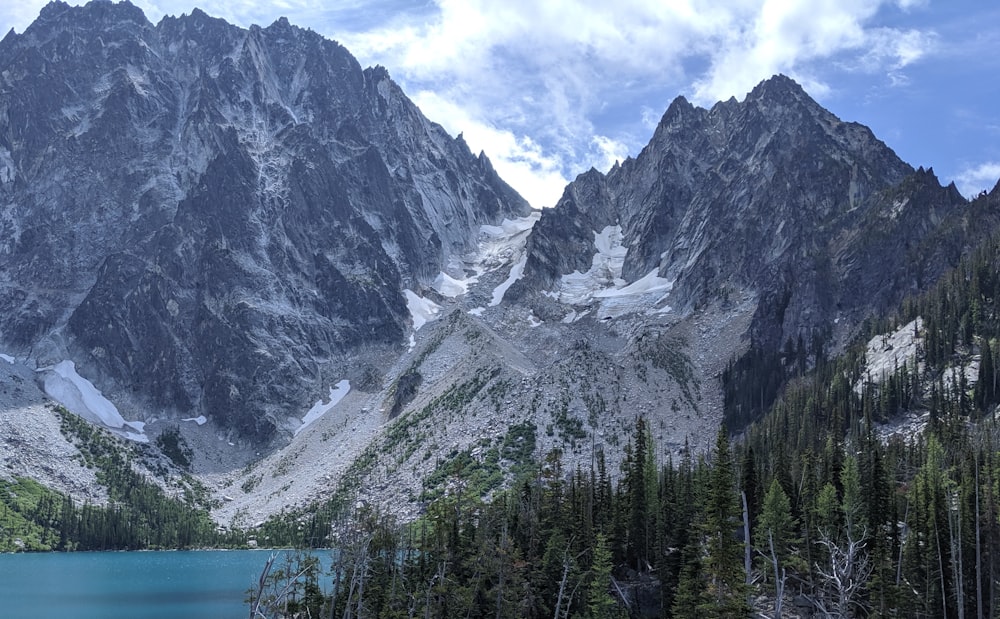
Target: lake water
[{"x": 130, "y": 585}]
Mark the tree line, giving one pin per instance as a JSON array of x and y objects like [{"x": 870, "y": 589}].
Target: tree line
[
  {"x": 139, "y": 514},
  {"x": 852, "y": 496}
]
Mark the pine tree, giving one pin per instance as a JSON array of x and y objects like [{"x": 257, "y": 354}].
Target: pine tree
[
  {"x": 774, "y": 538},
  {"x": 638, "y": 498},
  {"x": 721, "y": 513},
  {"x": 600, "y": 603},
  {"x": 852, "y": 505},
  {"x": 691, "y": 599}
]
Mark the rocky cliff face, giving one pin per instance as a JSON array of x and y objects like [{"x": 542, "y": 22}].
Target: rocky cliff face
[
  {"x": 206, "y": 217},
  {"x": 226, "y": 222},
  {"x": 772, "y": 195}
]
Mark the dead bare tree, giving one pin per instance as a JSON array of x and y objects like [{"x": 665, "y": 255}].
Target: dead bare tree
[
  {"x": 955, "y": 539},
  {"x": 267, "y": 599},
  {"x": 780, "y": 576},
  {"x": 568, "y": 563},
  {"x": 841, "y": 582},
  {"x": 747, "y": 548},
  {"x": 354, "y": 605}
]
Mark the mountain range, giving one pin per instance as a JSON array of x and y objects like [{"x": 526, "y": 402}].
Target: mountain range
[{"x": 242, "y": 235}]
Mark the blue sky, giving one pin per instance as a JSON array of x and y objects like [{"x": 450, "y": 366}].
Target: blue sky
[{"x": 551, "y": 88}]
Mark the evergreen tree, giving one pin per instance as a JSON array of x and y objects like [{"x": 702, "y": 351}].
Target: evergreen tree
[
  {"x": 721, "y": 523},
  {"x": 774, "y": 538},
  {"x": 691, "y": 600},
  {"x": 638, "y": 498},
  {"x": 600, "y": 603}
]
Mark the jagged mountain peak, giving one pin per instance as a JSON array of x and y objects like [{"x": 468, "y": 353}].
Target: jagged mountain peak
[
  {"x": 746, "y": 196},
  {"x": 778, "y": 87},
  {"x": 225, "y": 223},
  {"x": 219, "y": 217},
  {"x": 378, "y": 73},
  {"x": 96, "y": 13},
  {"x": 283, "y": 25},
  {"x": 777, "y": 90},
  {"x": 677, "y": 111}
]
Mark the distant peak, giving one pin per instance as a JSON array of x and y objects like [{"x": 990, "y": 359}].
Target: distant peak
[
  {"x": 200, "y": 19},
  {"x": 379, "y": 73},
  {"x": 927, "y": 174},
  {"x": 281, "y": 27},
  {"x": 677, "y": 110},
  {"x": 680, "y": 102},
  {"x": 778, "y": 86},
  {"x": 53, "y": 10},
  {"x": 118, "y": 11},
  {"x": 593, "y": 174}
]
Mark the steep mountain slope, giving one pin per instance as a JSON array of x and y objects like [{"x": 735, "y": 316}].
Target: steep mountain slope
[
  {"x": 208, "y": 219},
  {"x": 241, "y": 234},
  {"x": 772, "y": 197},
  {"x": 773, "y": 194}
]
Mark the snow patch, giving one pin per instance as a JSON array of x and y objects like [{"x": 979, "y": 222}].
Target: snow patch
[
  {"x": 603, "y": 282},
  {"x": 605, "y": 271},
  {"x": 82, "y": 398},
  {"x": 7, "y": 358},
  {"x": 450, "y": 287},
  {"x": 337, "y": 393},
  {"x": 649, "y": 284},
  {"x": 200, "y": 420},
  {"x": 497, "y": 247},
  {"x": 422, "y": 310},
  {"x": 502, "y": 245},
  {"x": 642, "y": 295},
  {"x": 477, "y": 311},
  {"x": 516, "y": 272},
  {"x": 511, "y": 227}
]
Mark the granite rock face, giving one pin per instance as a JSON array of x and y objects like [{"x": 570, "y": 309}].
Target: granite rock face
[
  {"x": 219, "y": 221},
  {"x": 205, "y": 215},
  {"x": 773, "y": 195}
]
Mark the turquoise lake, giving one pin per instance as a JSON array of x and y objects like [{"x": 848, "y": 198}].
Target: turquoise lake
[{"x": 130, "y": 585}]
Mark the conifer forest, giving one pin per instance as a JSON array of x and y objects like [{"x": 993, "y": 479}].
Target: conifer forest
[{"x": 813, "y": 510}]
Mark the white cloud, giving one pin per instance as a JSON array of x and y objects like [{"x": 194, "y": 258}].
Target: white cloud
[
  {"x": 548, "y": 69},
  {"x": 608, "y": 151},
  {"x": 896, "y": 49},
  {"x": 517, "y": 159},
  {"x": 792, "y": 36},
  {"x": 650, "y": 117},
  {"x": 982, "y": 177},
  {"x": 18, "y": 15}
]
